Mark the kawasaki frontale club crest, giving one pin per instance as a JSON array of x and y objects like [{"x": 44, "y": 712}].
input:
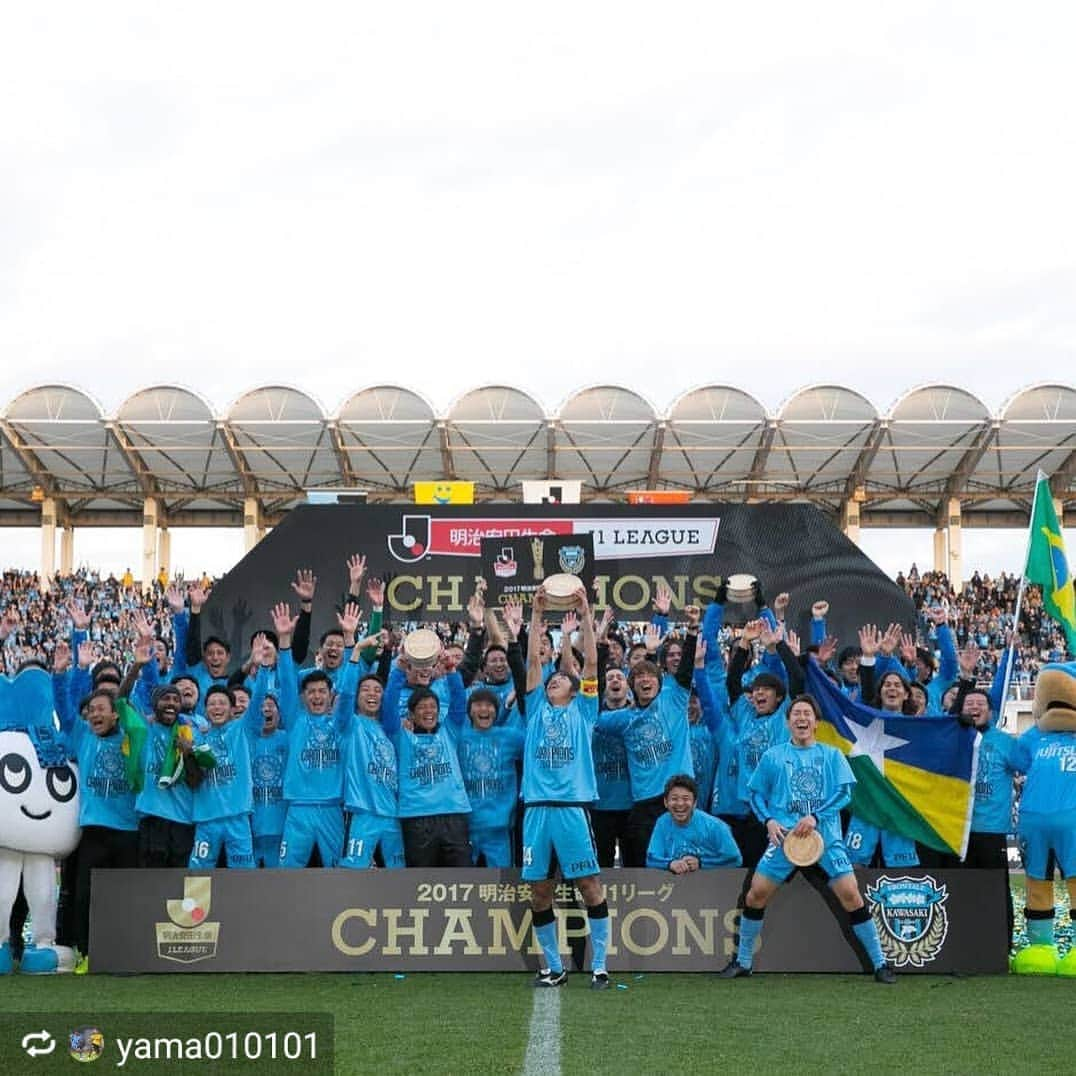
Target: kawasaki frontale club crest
[
  {"x": 911, "y": 918},
  {"x": 571, "y": 558}
]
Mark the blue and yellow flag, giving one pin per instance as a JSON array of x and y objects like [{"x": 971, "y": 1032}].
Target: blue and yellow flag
[
  {"x": 1047, "y": 564},
  {"x": 914, "y": 775}
]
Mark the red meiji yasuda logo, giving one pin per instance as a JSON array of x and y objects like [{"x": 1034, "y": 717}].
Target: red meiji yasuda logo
[{"x": 423, "y": 536}]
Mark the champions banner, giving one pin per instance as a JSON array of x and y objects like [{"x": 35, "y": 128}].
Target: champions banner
[
  {"x": 937, "y": 922},
  {"x": 433, "y": 555}
]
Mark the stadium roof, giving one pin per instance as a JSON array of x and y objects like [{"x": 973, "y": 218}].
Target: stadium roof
[{"x": 824, "y": 445}]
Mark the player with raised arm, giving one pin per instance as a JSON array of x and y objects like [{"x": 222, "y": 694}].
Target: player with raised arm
[{"x": 558, "y": 788}]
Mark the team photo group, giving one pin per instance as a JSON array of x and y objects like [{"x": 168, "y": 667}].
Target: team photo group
[{"x": 540, "y": 733}]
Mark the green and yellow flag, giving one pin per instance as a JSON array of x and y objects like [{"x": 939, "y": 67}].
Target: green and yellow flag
[{"x": 1047, "y": 564}]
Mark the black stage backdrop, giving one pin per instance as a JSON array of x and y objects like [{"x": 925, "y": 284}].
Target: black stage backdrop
[{"x": 432, "y": 554}]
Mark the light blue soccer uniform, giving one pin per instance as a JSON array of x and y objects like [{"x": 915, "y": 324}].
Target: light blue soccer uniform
[
  {"x": 1047, "y": 826},
  {"x": 175, "y": 803},
  {"x": 313, "y": 779},
  {"x": 754, "y": 737},
  {"x": 106, "y": 797},
  {"x": 657, "y": 738},
  {"x": 706, "y": 838},
  {"x": 223, "y": 801},
  {"x": 428, "y": 767},
  {"x": 559, "y": 785},
  {"x": 488, "y": 762},
  {"x": 998, "y": 753},
  {"x": 268, "y": 761},
  {"x": 371, "y": 785},
  {"x": 791, "y": 782},
  {"x": 611, "y": 771},
  {"x": 705, "y": 737}
]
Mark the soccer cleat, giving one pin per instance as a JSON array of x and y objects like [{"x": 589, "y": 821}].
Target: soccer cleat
[
  {"x": 83, "y": 966},
  {"x": 1036, "y": 960},
  {"x": 885, "y": 974},
  {"x": 1066, "y": 966},
  {"x": 547, "y": 977},
  {"x": 599, "y": 980},
  {"x": 7, "y": 963},
  {"x": 734, "y": 970}
]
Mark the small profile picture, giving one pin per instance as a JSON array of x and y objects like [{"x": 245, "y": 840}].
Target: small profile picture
[{"x": 86, "y": 1044}]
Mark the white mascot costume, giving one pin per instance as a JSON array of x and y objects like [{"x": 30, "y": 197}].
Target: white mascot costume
[{"x": 38, "y": 817}]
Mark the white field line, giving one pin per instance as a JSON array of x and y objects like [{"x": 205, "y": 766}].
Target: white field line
[{"x": 543, "y": 1040}]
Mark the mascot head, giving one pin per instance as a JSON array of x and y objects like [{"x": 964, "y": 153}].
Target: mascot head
[
  {"x": 1055, "y": 698},
  {"x": 38, "y": 786}
]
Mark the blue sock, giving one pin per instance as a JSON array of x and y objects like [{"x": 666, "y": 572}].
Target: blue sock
[
  {"x": 750, "y": 928},
  {"x": 867, "y": 933},
  {"x": 1040, "y": 929},
  {"x": 545, "y": 930},
  {"x": 598, "y": 917}
]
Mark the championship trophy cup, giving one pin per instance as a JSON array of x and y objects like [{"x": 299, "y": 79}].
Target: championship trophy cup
[
  {"x": 537, "y": 552},
  {"x": 422, "y": 648},
  {"x": 740, "y": 588}
]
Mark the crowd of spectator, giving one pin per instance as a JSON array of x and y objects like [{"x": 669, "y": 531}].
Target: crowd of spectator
[
  {"x": 982, "y": 613},
  {"x": 41, "y": 615}
]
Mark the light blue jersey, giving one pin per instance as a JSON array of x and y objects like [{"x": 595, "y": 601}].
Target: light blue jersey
[
  {"x": 371, "y": 782},
  {"x": 703, "y": 760},
  {"x": 1049, "y": 760},
  {"x": 225, "y": 790},
  {"x": 755, "y": 736},
  {"x": 488, "y": 761},
  {"x": 948, "y": 670},
  {"x": 657, "y": 739},
  {"x": 611, "y": 771},
  {"x": 268, "y": 761},
  {"x": 315, "y": 770},
  {"x": 558, "y": 766},
  {"x": 993, "y": 783},
  {"x": 706, "y": 838},
  {"x": 428, "y": 767},
  {"x": 176, "y": 802},
  {"x": 791, "y": 782},
  {"x": 106, "y": 797}
]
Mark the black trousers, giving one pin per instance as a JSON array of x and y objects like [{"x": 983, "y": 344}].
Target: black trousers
[
  {"x": 933, "y": 860},
  {"x": 164, "y": 843},
  {"x": 436, "y": 840},
  {"x": 66, "y": 910},
  {"x": 750, "y": 837},
  {"x": 642, "y": 818},
  {"x": 99, "y": 848},
  {"x": 609, "y": 827},
  {"x": 989, "y": 851}
]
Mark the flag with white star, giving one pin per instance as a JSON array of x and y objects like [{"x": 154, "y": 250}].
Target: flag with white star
[{"x": 914, "y": 775}]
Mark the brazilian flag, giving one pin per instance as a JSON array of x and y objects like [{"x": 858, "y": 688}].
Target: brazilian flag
[
  {"x": 133, "y": 726},
  {"x": 1047, "y": 564}
]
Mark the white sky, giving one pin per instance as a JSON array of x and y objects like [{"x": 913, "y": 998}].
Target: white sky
[{"x": 437, "y": 195}]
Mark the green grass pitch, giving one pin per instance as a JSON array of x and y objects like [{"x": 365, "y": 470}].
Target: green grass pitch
[
  {"x": 444, "y": 1024},
  {"x": 471, "y": 1024}
]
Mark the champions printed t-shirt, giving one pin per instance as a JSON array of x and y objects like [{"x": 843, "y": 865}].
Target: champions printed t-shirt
[{"x": 558, "y": 767}]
